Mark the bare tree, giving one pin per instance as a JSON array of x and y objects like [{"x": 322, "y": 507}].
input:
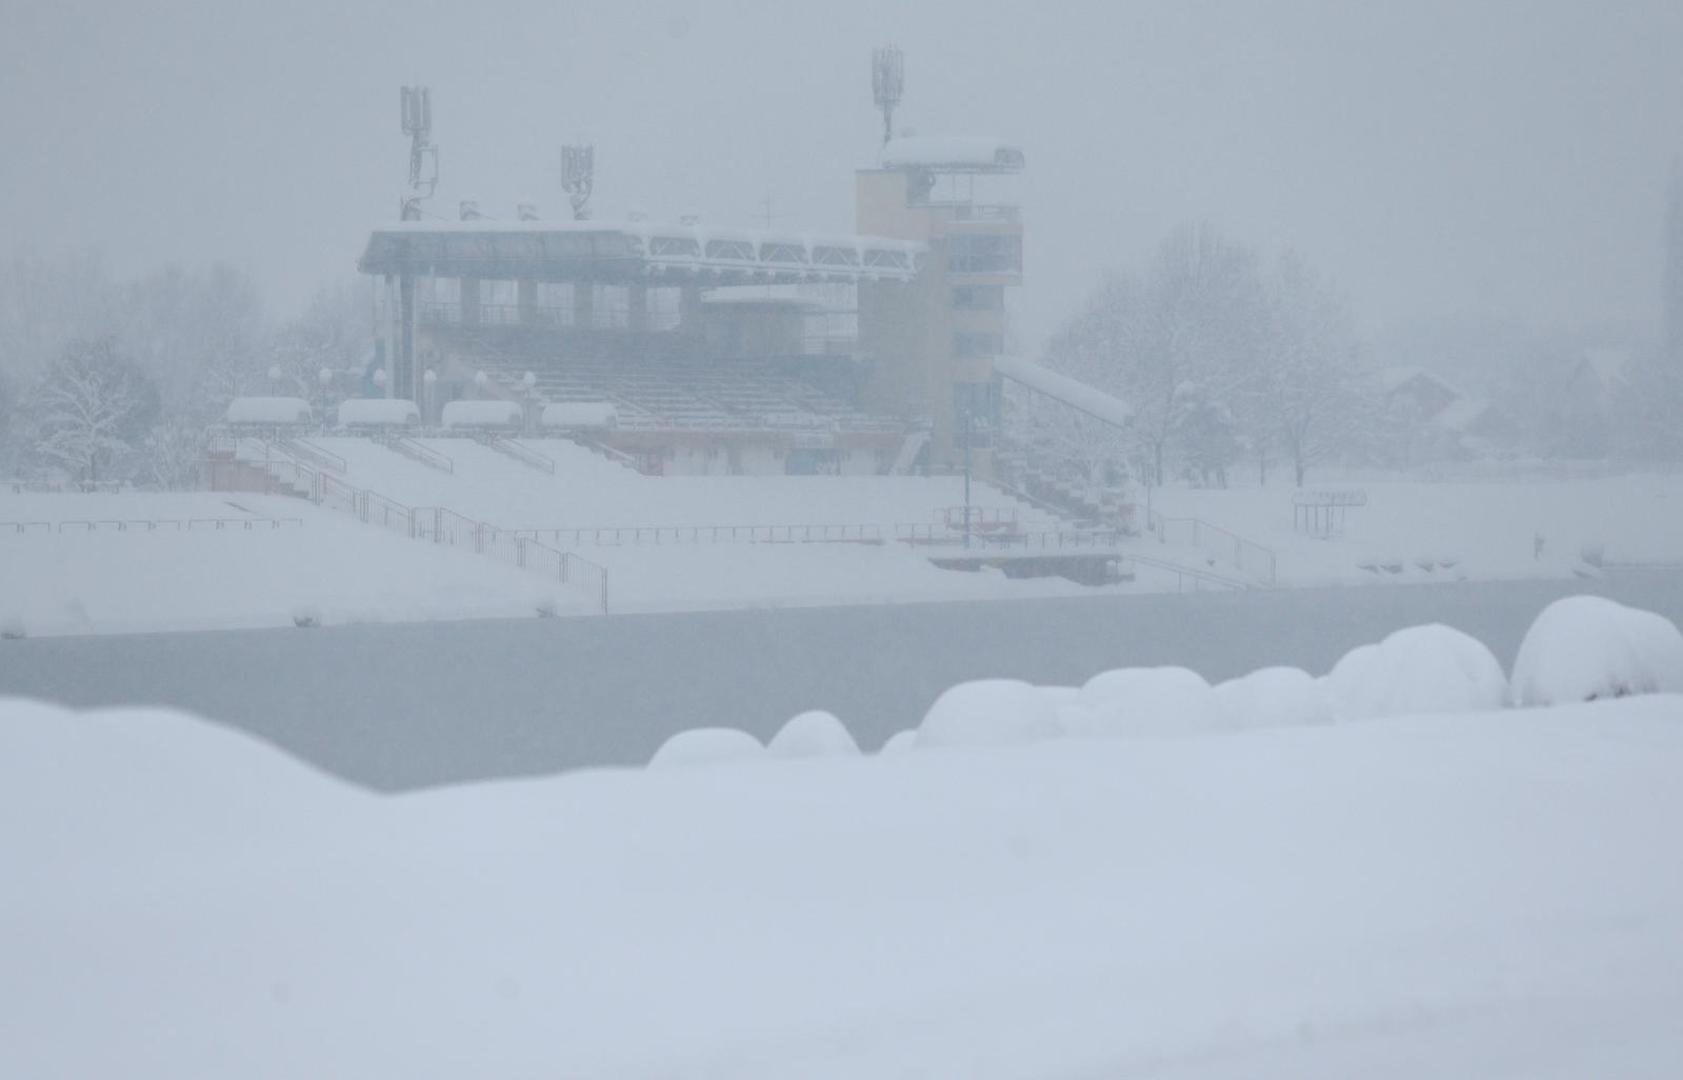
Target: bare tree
[{"x": 91, "y": 408}]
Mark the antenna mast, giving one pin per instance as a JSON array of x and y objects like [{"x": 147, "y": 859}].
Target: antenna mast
[
  {"x": 888, "y": 85},
  {"x": 423, "y": 155},
  {"x": 578, "y": 177}
]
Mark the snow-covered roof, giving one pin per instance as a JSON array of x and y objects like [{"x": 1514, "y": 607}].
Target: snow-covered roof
[
  {"x": 1608, "y": 365},
  {"x": 954, "y": 152},
  {"x": 580, "y": 414},
  {"x": 378, "y": 412},
  {"x": 481, "y": 414},
  {"x": 1461, "y": 414},
  {"x": 594, "y": 250},
  {"x": 268, "y": 411},
  {"x": 1072, "y": 392},
  {"x": 1392, "y": 378}
]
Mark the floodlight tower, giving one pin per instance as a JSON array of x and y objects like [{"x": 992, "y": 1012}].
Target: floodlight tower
[
  {"x": 578, "y": 177},
  {"x": 888, "y": 85},
  {"x": 423, "y": 155}
]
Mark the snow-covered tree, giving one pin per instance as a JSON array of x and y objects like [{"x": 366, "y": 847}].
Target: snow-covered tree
[
  {"x": 1180, "y": 338},
  {"x": 1305, "y": 388},
  {"x": 90, "y": 409},
  {"x": 171, "y": 454}
]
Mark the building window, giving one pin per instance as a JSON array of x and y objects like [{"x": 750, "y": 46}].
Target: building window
[
  {"x": 985, "y": 253},
  {"x": 972, "y": 346},
  {"x": 979, "y": 298}
]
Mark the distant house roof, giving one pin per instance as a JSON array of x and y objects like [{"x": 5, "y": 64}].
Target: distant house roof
[
  {"x": 1395, "y": 378},
  {"x": 1606, "y": 366},
  {"x": 1461, "y": 415}
]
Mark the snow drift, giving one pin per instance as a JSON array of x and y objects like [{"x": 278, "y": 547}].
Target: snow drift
[{"x": 1585, "y": 647}]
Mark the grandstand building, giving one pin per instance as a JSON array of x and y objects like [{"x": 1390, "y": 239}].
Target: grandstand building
[{"x": 709, "y": 350}]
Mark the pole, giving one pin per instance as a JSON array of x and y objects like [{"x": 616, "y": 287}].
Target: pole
[{"x": 966, "y": 415}]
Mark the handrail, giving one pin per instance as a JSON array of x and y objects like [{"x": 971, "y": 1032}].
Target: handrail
[
  {"x": 318, "y": 456},
  {"x": 1248, "y": 555},
  {"x": 523, "y": 454},
  {"x": 415, "y": 451}
]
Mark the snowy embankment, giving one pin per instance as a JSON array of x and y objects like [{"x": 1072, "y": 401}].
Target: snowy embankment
[
  {"x": 1464, "y": 531},
  {"x": 1470, "y": 894},
  {"x": 185, "y": 573}
]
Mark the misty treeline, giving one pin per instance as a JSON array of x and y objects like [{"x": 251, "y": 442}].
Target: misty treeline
[
  {"x": 1230, "y": 359},
  {"x": 109, "y": 379}
]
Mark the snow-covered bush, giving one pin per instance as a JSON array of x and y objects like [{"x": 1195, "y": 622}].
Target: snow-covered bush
[
  {"x": 1422, "y": 669},
  {"x": 1274, "y": 697},
  {"x": 901, "y": 742},
  {"x": 706, "y": 746},
  {"x": 989, "y": 712},
  {"x": 12, "y": 628},
  {"x": 1586, "y": 647},
  {"x": 813, "y": 734},
  {"x": 1143, "y": 701},
  {"x": 306, "y": 615}
]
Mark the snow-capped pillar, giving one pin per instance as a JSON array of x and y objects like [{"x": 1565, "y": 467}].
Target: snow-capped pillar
[
  {"x": 470, "y": 301},
  {"x": 526, "y": 300},
  {"x": 584, "y": 305},
  {"x": 689, "y": 308}
]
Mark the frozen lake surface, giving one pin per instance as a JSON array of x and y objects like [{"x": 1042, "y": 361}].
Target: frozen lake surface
[{"x": 402, "y": 706}]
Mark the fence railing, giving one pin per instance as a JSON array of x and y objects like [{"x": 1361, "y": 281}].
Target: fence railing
[{"x": 222, "y": 524}]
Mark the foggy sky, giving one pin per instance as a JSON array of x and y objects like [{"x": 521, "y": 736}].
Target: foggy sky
[{"x": 1439, "y": 158}]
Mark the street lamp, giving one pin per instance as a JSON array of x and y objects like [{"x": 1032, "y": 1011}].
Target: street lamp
[
  {"x": 428, "y": 378},
  {"x": 325, "y": 378},
  {"x": 380, "y": 380},
  {"x": 530, "y": 382}
]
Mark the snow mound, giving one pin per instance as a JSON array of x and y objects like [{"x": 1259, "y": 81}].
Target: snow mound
[
  {"x": 1274, "y": 697},
  {"x": 989, "y": 712},
  {"x": 901, "y": 742},
  {"x": 706, "y": 746},
  {"x": 1586, "y": 647},
  {"x": 1143, "y": 701},
  {"x": 813, "y": 734},
  {"x": 1421, "y": 669}
]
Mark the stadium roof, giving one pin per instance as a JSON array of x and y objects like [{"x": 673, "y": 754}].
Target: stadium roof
[{"x": 633, "y": 251}]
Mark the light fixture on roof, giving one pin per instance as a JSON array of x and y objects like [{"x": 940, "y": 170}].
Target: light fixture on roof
[
  {"x": 888, "y": 85},
  {"x": 423, "y": 155},
  {"x": 578, "y": 177}
]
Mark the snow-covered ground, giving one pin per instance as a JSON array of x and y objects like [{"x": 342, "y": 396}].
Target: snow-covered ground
[
  {"x": 327, "y": 567},
  {"x": 1491, "y": 894},
  {"x": 591, "y": 491},
  {"x": 69, "y": 581},
  {"x": 1486, "y": 530}
]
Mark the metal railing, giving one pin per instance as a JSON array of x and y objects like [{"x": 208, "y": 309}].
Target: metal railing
[
  {"x": 86, "y": 525},
  {"x": 523, "y": 454},
  {"x": 1247, "y": 556},
  {"x": 415, "y": 451},
  {"x": 311, "y": 454}
]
